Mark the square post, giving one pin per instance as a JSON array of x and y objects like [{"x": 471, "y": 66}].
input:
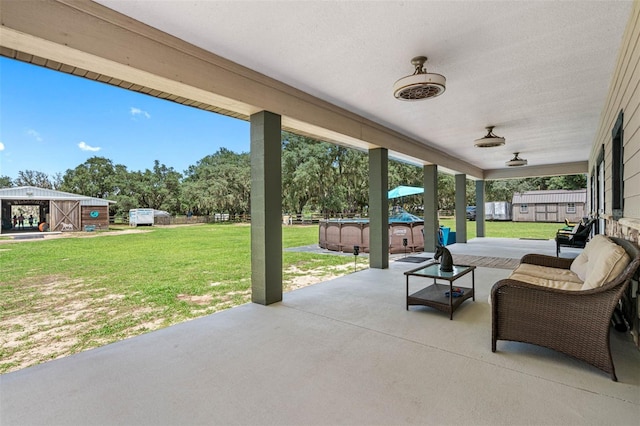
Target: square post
[
  {"x": 266, "y": 208},
  {"x": 461, "y": 208},
  {"x": 430, "y": 200},
  {"x": 378, "y": 208},
  {"x": 480, "y": 222}
]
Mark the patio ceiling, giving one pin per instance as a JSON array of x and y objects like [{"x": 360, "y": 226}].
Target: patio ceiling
[{"x": 538, "y": 71}]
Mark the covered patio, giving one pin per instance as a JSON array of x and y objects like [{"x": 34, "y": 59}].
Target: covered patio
[
  {"x": 555, "y": 78},
  {"x": 341, "y": 352}
]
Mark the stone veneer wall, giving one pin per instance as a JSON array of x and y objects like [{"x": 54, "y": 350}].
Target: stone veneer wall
[
  {"x": 624, "y": 96},
  {"x": 629, "y": 229}
]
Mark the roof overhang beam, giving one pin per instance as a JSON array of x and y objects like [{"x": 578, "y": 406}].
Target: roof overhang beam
[{"x": 561, "y": 169}]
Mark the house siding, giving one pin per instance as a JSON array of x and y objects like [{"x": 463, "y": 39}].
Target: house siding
[{"x": 624, "y": 95}]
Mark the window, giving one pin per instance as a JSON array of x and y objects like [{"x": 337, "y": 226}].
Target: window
[
  {"x": 571, "y": 207},
  {"x": 524, "y": 208},
  {"x": 617, "y": 169},
  {"x": 599, "y": 201}
]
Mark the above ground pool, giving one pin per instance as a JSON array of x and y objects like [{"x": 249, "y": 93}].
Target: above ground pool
[{"x": 343, "y": 234}]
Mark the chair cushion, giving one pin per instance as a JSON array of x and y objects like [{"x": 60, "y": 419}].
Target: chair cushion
[
  {"x": 579, "y": 265},
  {"x": 548, "y": 273},
  {"x": 596, "y": 243},
  {"x": 545, "y": 276},
  {"x": 605, "y": 261},
  {"x": 586, "y": 261},
  {"x": 545, "y": 282}
]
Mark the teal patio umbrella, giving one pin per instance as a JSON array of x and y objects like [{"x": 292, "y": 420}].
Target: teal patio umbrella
[{"x": 404, "y": 191}]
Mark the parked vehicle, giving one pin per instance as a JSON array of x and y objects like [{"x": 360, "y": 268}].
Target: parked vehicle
[{"x": 471, "y": 212}]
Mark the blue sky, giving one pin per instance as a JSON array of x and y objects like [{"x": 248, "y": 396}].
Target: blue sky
[{"x": 51, "y": 122}]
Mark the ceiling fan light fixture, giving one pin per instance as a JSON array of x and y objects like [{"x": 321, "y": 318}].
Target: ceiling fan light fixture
[
  {"x": 516, "y": 161},
  {"x": 421, "y": 84},
  {"x": 490, "y": 140}
]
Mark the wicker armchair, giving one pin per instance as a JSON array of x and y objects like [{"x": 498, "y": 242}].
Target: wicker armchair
[{"x": 576, "y": 323}]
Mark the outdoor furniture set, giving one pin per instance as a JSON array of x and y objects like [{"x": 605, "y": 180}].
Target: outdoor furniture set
[{"x": 558, "y": 303}]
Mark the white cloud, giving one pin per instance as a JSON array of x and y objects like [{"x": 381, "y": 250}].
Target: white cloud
[
  {"x": 137, "y": 111},
  {"x": 83, "y": 146},
  {"x": 35, "y": 135},
  {"x": 1, "y": 146}
]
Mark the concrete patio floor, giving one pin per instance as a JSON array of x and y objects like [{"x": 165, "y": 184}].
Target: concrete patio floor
[
  {"x": 510, "y": 248},
  {"x": 341, "y": 352}
]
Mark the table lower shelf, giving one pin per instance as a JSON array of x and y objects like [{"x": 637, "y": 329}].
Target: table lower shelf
[{"x": 434, "y": 296}]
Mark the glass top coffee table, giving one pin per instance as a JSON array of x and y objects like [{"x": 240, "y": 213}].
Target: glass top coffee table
[{"x": 441, "y": 296}]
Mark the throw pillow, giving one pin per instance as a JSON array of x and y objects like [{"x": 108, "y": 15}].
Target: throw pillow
[
  {"x": 579, "y": 265},
  {"x": 605, "y": 264}
]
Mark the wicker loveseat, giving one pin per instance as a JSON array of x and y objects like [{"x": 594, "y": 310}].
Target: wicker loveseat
[{"x": 566, "y": 304}]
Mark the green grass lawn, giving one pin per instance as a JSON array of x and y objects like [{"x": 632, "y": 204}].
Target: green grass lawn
[
  {"x": 531, "y": 230},
  {"x": 72, "y": 294},
  {"x": 65, "y": 295}
]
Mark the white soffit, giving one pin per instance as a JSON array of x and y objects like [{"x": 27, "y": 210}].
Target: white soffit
[{"x": 539, "y": 71}]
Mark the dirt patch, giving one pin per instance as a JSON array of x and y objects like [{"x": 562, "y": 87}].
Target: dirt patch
[
  {"x": 198, "y": 300},
  {"x": 299, "y": 278},
  {"x": 54, "y": 316}
]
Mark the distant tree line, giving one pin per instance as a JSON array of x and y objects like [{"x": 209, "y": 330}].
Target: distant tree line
[{"x": 316, "y": 177}]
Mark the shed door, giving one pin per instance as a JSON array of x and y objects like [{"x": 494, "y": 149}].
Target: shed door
[{"x": 65, "y": 215}]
